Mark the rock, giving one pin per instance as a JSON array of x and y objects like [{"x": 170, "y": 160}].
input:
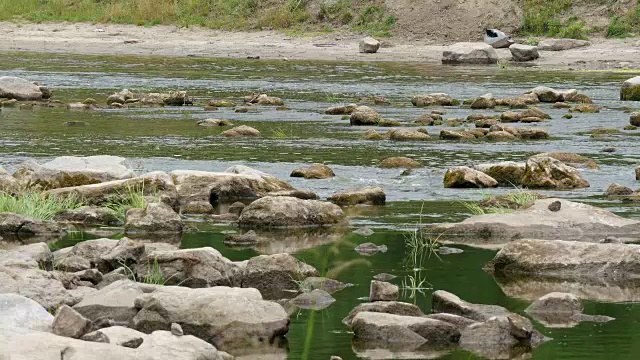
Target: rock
[
  {"x": 630, "y": 90},
  {"x": 34, "y": 256},
  {"x": 495, "y": 338},
  {"x": 445, "y": 250},
  {"x": 263, "y": 99},
  {"x": 273, "y": 274},
  {"x": 235, "y": 318},
  {"x": 115, "y": 301},
  {"x": 469, "y": 53},
  {"x": 23, "y": 226},
  {"x": 388, "y": 307},
  {"x": 383, "y": 291},
  {"x": 555, "y": 206},
  {"x": 314, "y": 171},
  {"x": 484, "y": 102},
  {"x": 547, "y": 94},
  {"x": 446, "y": 302},
  {"x": 315, "y": 300},
  {"x": 341, "y": 110},
  {"x": 466, "y": 177},
  {"x": 486, "y": 123},
  {"x": 69, "y": 323},
  {"x": 214, "y": 122},
  {"x": 618, "y": 190},
  {"x": 506, "y": 173},
  {"x": 155, "y": 218},
  {"x": 459, "y": 322},
  {"x": 367, "y": 195},
  {"x": 372, "y": 134},
  {"x": 221, "y": 103},
  {"x": 543, "y": 172},
  {"x": 73, "y": 264},
  {"x": 90, "y": 250},
  {"x": 561, "y": 105},
  {"x": 248, "y": 238},
  {"x": 92, "y": 275},
  {"x": 455, "y": 135},
  {"x": 384, "y": 277},
  {"x": 364, "y": 231},
  {"x": 586, "y": 108},
  {"x": 532, "y": 133},
  {"x": 500, "y": 136},
  {"x": 522, "y": 52},
  {"x": 126, "y": 252},
  {"x": 369, "y": 45},
  {"x": 322, "y": 283},
  {"x": 89, "y": 216},
  {"x": 404, "y": 134},
  {"x": 20, "y": 312},
  {"x": 364, "y": 115},
  {"x": 399, "y": 162},
  {"x": 19, "y": 89},
  {"x": 561, "y": 44},
  {"x": 635, "y": 119},
  {"x": 242, "y": 130},
  {"x": 201, "y": 267},
  {"x": 434, "y": 99},
  {"x": 392, "y": 328},
  {"x": 561, "y": 310},
  {"x": 38, "y": 285},
  {"x": 370, "y": 248},
  {"x": 510, "y": 116},
  {"x": 176, "y": 329},
  {"x": 285, "y": 211},
  {"x": 199, "y": 191}
]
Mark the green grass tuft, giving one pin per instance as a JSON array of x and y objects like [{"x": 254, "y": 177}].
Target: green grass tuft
[
  {"x": 154, "y": 275},
  {"x": 132, "y": 198},
  {"x": 36, "y": 205}
]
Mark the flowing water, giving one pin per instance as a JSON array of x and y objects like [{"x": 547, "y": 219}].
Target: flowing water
[{"x": 168, "y": 139}]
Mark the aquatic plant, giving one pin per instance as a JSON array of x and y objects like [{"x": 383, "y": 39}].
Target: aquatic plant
[
  {"x": 133, "y": 197},
  {"x": 507, "y": 203},
  {"x": 38, "y": 205},
  {"x": 414, "y": 284},
  {"x": 420, "y": 245}
]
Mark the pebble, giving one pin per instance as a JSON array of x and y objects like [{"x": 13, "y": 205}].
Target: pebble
[
  {"x": 363, "y": 231},
  {"x": 176, "y": 329}
]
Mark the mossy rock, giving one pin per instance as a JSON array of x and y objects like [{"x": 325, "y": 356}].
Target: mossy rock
[{"x": 630, "y": 93}]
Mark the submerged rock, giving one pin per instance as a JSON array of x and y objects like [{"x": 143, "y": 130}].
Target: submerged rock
[
  {"x": 392, "y": 328},
  {"x": 445, "y": 250},
  {"x": 322, "y": 283},
  {"x": 387, "y": 307},
  {"x": 384, "y": 277},
  {"x": 370, "y": 248},
  {"x": 315, "y": 300},
  {"x": 561, "y": 310},
  {"x": 364, "y": 231}
]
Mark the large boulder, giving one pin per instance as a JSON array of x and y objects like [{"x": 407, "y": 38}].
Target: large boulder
[
  {"x": 369, "y": 45},
  {"x": 470, "y": 53},
  {"x": 286, "y": 211},
  {"x": 466, "y": 177},
  {"x": 115, "y": 301},
  {"x": 314, "y": 171},
  {"x": 506, "y": 173},
  {"x": 570, "y": 221},
  {"x": 634, "y": 119},
  {"x": 19, "y": 89},
  {"x": 275, "y": 274},
  {"x": 20, "y": 312},
  {"x": 404, "y": 134},
  {"x": 434, "y": 99},
  {"x": 383, "y": 291},
  {"x": 199, "y": 191},
  {"x": 522, "y": 52},
  {"x": 499, "y": 337},
  {"x": 543, "y": 172},
  {"x": 38, "y": 285},
  {"x": 31, "y": 256},
  {"x": 364, "y": 115},
  {"x": 367, "y": 195},
  {"x": 563, "y": 310},
  {"x": 388, "y": 307},
  {"x": 201, "y": 267},
  {"x": 561, "y": 44},
  {"x": 547, "y": 94},
  {"x": 630, "y": 90},
  {"x": 21, "y": 226},
  {"x": 225, "y": 317},
  {"x": 67, "y": 171},
  {"x": 156, "y": 218},
  {"x": 391, "y": 328},
  {"x": 89, "y": 216},
  {"x": 446, "y": 302},
  {"x": 399, "y": 162}
]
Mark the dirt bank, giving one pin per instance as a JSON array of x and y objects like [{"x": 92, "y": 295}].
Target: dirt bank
[{"x": 170, "y": 41}]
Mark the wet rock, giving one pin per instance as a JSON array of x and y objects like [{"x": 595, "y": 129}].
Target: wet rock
[
  {"x": 469, "y": 53},
  {"x": 89, "y": 216},
  {"x": 547, "y": 94},
  {"x": 561, "y": 310},
  {"x": 495, "y": 338},
  {"x": 214, "y": 122},
  {"x": 23, "y": 226},
  {"x": 404, "y": 134},
  {"x": 445, "y": 250},
  {"x": 393, "y": 328},
  {"x": 201, "y": 267},
  {"x": 399, "y": 162},
  {"x": 70, "y": 323},
  {"x": 459, "y": 322},
  {"x": 248, "y": 238},
  {"x": 315, "y": 299},
  {"x": 370, "y": 248},
  {"x": 561, "y": 44},
  {"x": 388, "y": 307},
  {"x": 236, "y": 208},
  {"x": 446, "y": 302},
  {"x": 484, "y": 102},
  {"x": 510, "y": 116},
  {"x": 383, "y": 291},
  {"x": 618, "y": 190},
  {"x": 548, "y": 173},
  {"x": 314, "y": 171},
  {"x": 486, "y": 123},
  {"x": 20, "y": 312},
  {"x": 635, "y": 119},
  {"x": 368, "y": 45},
  {"x": 155, "y": 218},
  {"x": 273, "y": 274},
  {"x": 221, "y": 103},
  {"x": 364, "y": 115},
  {"x": 283, "y": 211},
  {"x": 322, "y": 283},
  {"x": 19, "y": 89},
  {"x": 630, "y": 90},
  {"x": 574, "y": 221},
  {"x": 434, "y": 99},
  {"x": 341, "y": 110},
  {"x": 586, "y": 108},
  {"x": 466, "y": 177},
  {"x": 506, "y": 173},
  {"x": 366, "y": 195},
  {"x": 455, "y": 135},
  {"x": 364, "y": 231},
  {"x": 263, "y": 99},
  {"x": 532, "y": 133},
  {"x": 242, "y": 130},
  {"x": 522, "y": 52},
  {"x": 236, "y": 318},
  {"x": 66, "y": 171},
  {"x": 384, "y": 277},
  {"x": 637, "y": 173},
  {"x": 571, "y": 158},
  {"x": 199, "y": 191}
]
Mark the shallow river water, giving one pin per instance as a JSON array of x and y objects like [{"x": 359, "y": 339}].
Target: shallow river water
[{"x": 168, "y": 139}]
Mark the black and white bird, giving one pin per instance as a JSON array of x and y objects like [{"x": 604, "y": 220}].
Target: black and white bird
[{"x": 497, "y": 38}]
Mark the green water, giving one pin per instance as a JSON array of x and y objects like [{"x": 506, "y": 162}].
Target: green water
[{"x": 168, "y": 138}]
